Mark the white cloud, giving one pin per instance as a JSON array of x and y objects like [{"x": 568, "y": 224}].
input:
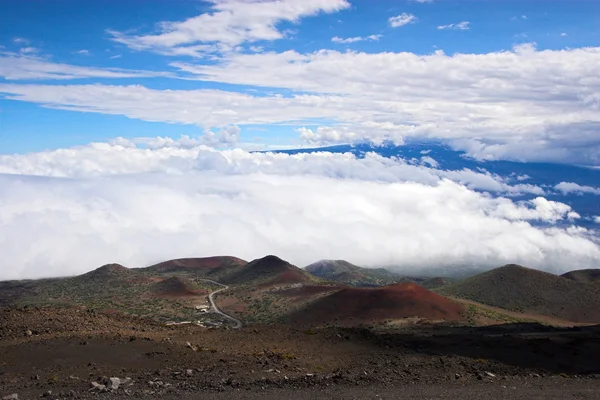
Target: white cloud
[
  {"x": 597, "y": 219},
  {"x": 20, "y": 67},
  {"x": 571, "y": 187},
  {"x": 401, "y": 20},
  {"x": 195, "y": 201},
  {"x": 426, "y": 160},
  {"x": 116, "y": 56},
  {"x": 563, "y": 34},
  {"x": 21, "y": 41},
  {"x": 423, "y": 1},
  {"x": 229, "y": 24},
  {"x": 84, "y": 52},
  {"x": 493, "y": 106},
  {"x": 28, "y": 50},
  {"x": 461, "y": 26},
  {"x": 121, "y": 156},
  {"x": 337, "y": 39}
]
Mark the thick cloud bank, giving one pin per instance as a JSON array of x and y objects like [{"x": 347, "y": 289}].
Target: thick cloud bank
[{"x": 68, "y": 211}]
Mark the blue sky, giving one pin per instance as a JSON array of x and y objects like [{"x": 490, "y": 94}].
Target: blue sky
[
  {"x": 68, "y": 33},
  {"x": 128, "y": 130}
]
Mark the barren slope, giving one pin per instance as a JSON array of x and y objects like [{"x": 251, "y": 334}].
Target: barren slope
[
  {"x": 403, "y": 300},
  {"x": 521, "y": 289}
]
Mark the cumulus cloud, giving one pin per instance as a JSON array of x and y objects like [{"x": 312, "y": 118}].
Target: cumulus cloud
[
  {"x": 25, "y": 66},
  {"x": 337, "y": 39},
  {"x": 461, "y": 26},
  {"x": 121, "y": 203},
  {"x": 401, "y": 20},
  {"x": 229, "y": 23}
]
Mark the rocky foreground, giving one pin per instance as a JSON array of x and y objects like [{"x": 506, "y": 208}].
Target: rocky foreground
[{"x": 78, "y": 353}]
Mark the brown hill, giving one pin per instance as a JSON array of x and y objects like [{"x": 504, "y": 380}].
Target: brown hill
[
  {"x": 174, "y": 287},
  {"x": 584, "y": 275},
  {"x": 268, "y": 270},
  {"x": 204, "y": 263},
  {"x": 108, "y": 271},
  {"x": 521, "y": 289},
  {"x": 402, "y": 300}
]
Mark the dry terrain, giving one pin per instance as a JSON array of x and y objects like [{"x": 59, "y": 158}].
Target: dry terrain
[
  {"x": 152, "y": 332},
  {"x": 64, "y": 350}
]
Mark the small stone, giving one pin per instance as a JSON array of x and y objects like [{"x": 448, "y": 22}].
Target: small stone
[
  {"x": 47, "y": 394},
  {"x": 13, "y": 396},
  {"x": 189, "y": 372},
  {"x": 28, "y": 333},
  {"x": 113, "y": 383},
  {"x": 97, "y": 387},
  {"x": 489, "y": 374}
]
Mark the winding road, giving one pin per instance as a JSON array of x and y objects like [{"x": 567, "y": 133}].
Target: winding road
[{"x": 237, "y": 324}]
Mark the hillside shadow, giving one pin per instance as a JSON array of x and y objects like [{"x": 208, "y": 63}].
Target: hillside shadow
[{"x": 529, "y": 346}]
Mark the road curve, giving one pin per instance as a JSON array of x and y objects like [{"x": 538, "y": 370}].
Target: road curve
[{"x": 237, "y": 324}]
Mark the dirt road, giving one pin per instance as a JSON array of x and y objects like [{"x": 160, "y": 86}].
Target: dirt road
[{"x": 237, "y": 324}]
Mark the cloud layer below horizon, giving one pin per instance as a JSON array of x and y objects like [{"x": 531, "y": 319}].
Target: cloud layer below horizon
[{"x": 71, "y": 210}]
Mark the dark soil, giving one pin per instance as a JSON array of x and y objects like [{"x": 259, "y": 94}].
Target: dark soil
[{"x": 64, "y": 350}]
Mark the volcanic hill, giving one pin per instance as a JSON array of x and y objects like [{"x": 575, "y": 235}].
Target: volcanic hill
[
  {"x": 516, "y": 288},
  {"x": 269, "y": 270},
  {"x": 584, "y": 275},
  {"x": 402, "y": 300}
]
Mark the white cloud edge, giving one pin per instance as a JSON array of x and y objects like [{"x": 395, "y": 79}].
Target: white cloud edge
[{"x": 179, "y": 199}]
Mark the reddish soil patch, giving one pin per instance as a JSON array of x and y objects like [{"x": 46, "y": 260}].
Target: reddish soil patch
[
  {"x": 175, "y": 287},
  {"x": 401, "y": 300},
  {"x": 306, "y": 292}
]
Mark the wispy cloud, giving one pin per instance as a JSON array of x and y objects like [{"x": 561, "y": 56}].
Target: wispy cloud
[
  {"x": 21, "y": 41},
  {"x": 402, "y": 20},
  {"x": 338, "y": 39},
  {"x": 83, "y": 52},
  {"x": 29, "y": 50},
  {"x": 229, "y": 24},
  {"x": 460, "y": 98},
  {"x": 461, "y": 26},
  {"x": 25, "y": 66}
]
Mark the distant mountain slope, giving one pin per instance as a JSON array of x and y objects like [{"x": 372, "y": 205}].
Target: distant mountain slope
[
  {"x": 204, "y": 263},
  {"x": 341, "y": 271},
  {"x": 268, "y": 270},
  {"x": 402, "y": 300},
  {"x": 584, "y": 275},
  {"x": 521, "y": 289},
  {"x": 344, "y": 272}
]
